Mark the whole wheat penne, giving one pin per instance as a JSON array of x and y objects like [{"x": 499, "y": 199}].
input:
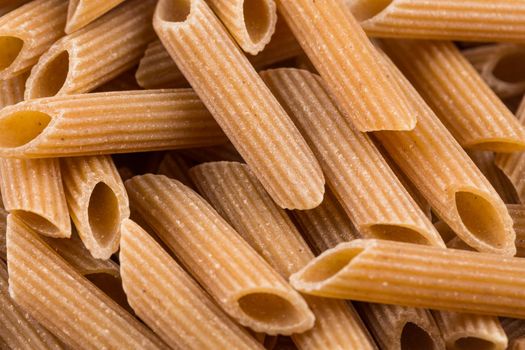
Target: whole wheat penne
[
  {"x": 241, "y": 282},
  {"x": 97, "y": 202},
  {"x": 170, "y": 302},
  {"x": 176, "y": 167},
  {"x": 353, "y": 167},
  {"x": 243, "y": 106},
  {"x": 466, "y": 331},
  {"x": 240, "y": 198},
  {"x": 158, "y": 70},
  {"x": 518, "y": 344},
  {"x": 225, "y": 152},
  {"x": 452, "y": 184},
  {"x": 471, "y": 111},
  {"x": 417, "y": 275},
  {"x": 12, "y": 90},
  {"x": 63, "y": 301},
  {"x": 342, "y": 54},
  {"x": 111, "y": 122},
  {"x": 17, "y": 329},
  {"x": 477, "y": 20},
  {"x": 515, "y": 330},
  {"x": 32, "y": 188},
  {"x": 82, "y": 12},
  {"x": 517, "y": 213},
  {"x": 397, "y": 328},
  {"x": 94, "y": 55},
  {"x": 9, "y": 5},
  {"x": 3, "y": 220},
  {"x": 27, "y": 32}
]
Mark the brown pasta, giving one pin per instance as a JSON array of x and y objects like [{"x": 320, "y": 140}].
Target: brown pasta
[
  {"x": 82, "y": 12},
  {"x": 517, "y": 213},
  {"x": 515, "y": 330},
  {"x": 9, "y": 5},
  {"x": 176, "y": 167}
]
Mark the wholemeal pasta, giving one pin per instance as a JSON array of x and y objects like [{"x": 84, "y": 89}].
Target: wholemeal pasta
[
  {"x": 353, "y": 167},
  {"x": 478, "y": 20},
  {"x": 517, "y": 213},
  {"x": 469, "y": 109},
  {"x": 80, "y": 62},
  {"x": 111, "y": 122},
  {"x": 82, "y": 12},
  {"x": 515, "y": 330},
  {"x": 241, "y": 282},
  {"x": 237, "y": 195},
  {"x": 175, "y": 167},
  {"x": 97, "y": 202},
  {"x": 169, "y": 301},
  {"x": 63, "y": 301},
  {"x": 9, "y": 5},
  {"x": 225, "y": 152},
  {"x": 240, "y": 102},
  {"x": 3, "y": 221},
  {"x": 27, "y": 32}
]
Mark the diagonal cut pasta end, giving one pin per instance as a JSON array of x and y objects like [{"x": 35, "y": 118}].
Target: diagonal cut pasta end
[
  {"x": 10, "y": 48},
  {"x": 172, "y": 11},
  {"x": 49, "y": 76},
  {"x": 364, "y": 10},
  {"x": 20, "y": 127}
]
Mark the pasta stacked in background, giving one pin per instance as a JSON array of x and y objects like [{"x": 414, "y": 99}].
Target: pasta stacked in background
[{"x": 262, "y": 174}]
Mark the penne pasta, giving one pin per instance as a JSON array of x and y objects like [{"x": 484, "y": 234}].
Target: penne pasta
[
  {"x": 240, "y": 281},
  {"x": 112, "y": 122},
  {"x": 170, "y": 302},
  {"x": 63, "y": 301},
  {"x": 344, "y": 57},
  {"x": 469, "y": 109},
  {"x": 461, "y": 196},
  {"x": 3, "y": 220},
  {"x": 97, "y": 202},
  {"x": 416, "y": 275},
  {"x": 82, "y": 12},
  {"x": 517, "y": 213},
  {"x": 478, "y": 20},
  {"x": 515, "y": 330},
  {"x": 80, "y": 62},
  {"x": 251, "y": 23},
  {"x": 124, "y": 82},
  {"x": 32, "y": 189},
  {"x": 17, "y": 329},
  {"x": 353, "y": 167},
  {"x": 27, "y": 32},
  {"x": 240, "y": 198},
  {"x": 9, "y": 5},
  {"x": 240, "y": 102},
  {"x": 465, "y": 331},
  {"x": 12, "y": 90},
  {"x": 175, "y": 167}
]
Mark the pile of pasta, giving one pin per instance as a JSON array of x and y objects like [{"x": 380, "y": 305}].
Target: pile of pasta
[{"x": 262, "y": 174}]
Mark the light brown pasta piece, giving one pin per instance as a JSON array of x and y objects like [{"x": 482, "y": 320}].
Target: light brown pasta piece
[
  {"x": 82, "y": 12},
  {"x": 170, "y": 302},
  {"x": 354, "y": 169},
  {"x": 464, "y": 103},
  {"x": 32, "y": 188},
  {"x": 225, "y": 152},
  {"x": 8, "y": 6},
  {"x": 467, "y": 332},
  {"x": 345, "y": 58},
  {"x": 176, "y": 167},
  {"x": 240, "y": 198},
  {"x": 468, "y": 20},
  {"x": 94, "y": 55},
  {"x": 418, "y": 276},
  {"x": 12, "y": 90},
  {"x": 158, "y": 70},
  {"x": 243, "y": 106},
  {"x": 17, "y": 328},
  {"x": 3, "y": 220},
  {"x": 63, "y": 301},
  {"x": 111, "y": 122},
  {"x": 97, "y": 202},
  {"x": 455, "y": 188},
  {"x": 515, "y": 330},
  {"x": 27, "y": 32},
  {"x": 241, "y": 282},
  {"x": 250, "y": 22},
  {"x": 517, "y": 213}
]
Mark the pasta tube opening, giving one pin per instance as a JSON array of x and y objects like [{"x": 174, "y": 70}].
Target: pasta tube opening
[
  {"x": 22, "y": 127},
  {"x": 104, "y": 213},
  {"x": 37, "y": 222},
  {"x": 10, "y": 48},
  {"x": 258, "y": 19},
  {"x": 398, "y": 233},
  {"x": 366, "y": 9},
  {"x": 415, "y": 337},
  {"x": 481, "y": 218},
  {"x": 52, "y": 76},
  {"x": 510, "y": 67},
  {"x": 328, "y": 267},
  {"x": 174, "y": 10},
  {"x": 473, "y": 343}
]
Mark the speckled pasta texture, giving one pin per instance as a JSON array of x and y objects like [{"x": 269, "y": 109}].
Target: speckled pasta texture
[{"x": 82, "y": 12}]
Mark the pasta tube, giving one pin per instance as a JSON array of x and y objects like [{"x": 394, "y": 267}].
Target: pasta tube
[
  {"x": 243, "y": 106},
  {"x": 353, "y": 167},
  {"x": 80, "y": 62},
  {"x": 469, "y": 109},
  {"x": 82, "y": 12},
  {"x": 240, "y": 198},
  {"x": 32, "y": 189},
  {"x": 241, "y": 282},
  {"x": 12, "y": 90},
  {"x": 27, "y": 32},
  {"x": 112, "y": 122},
  {"x": 345, "y": 58},
  {"x": 63, "y": 301},
  {"x": 169, "y": 301},
  {"x": 517, "y": 213},
  {"x": 176, "y": 167},
  {"x": 478, "y": 20},
  {"x": 97, "y": 202},
  {"x": 461, "y": 196},
  {"x": 417, "y": 275},
  {"x": 3, "y": 219}
]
